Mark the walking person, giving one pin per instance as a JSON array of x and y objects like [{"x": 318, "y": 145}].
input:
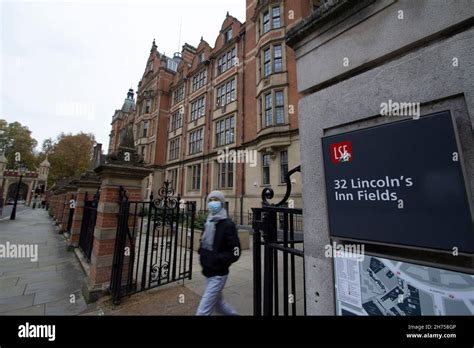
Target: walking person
[{"x": 220, "y": 247}]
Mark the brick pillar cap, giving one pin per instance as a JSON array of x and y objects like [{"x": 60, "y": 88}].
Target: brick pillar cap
[{"x": 121, "y": 171}]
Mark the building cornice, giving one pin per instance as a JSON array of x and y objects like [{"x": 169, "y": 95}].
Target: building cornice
[{"x": 319, "y": 17}]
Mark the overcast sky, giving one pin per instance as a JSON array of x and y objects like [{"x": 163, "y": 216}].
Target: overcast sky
[{"x": 65, "y": 66}]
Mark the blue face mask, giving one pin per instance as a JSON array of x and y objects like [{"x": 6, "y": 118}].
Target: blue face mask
[{"x": 214, "y": 207}]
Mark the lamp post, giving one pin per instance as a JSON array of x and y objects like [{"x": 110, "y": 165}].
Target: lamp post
[{"x": 22, "y": 171}]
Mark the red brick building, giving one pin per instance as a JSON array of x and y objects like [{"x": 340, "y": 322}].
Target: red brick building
[{"x": 238, "y": 95}]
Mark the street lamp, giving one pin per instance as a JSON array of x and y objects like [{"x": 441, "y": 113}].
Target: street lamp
[{"x": 22, "y": 171}]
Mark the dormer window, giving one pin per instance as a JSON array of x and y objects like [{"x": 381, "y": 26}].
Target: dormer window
[
  {"x": 172, "y": 65},
  {"x": 228, "y": 35},
  {"x": 201, "y": 57}
]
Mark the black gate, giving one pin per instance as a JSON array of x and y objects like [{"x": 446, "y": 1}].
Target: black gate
[
  {"x": 277, "y": 232},
  {"x": 89, "y": 217},
  {"x": 72, "y": 206},
  {"x": 154, "y": 243}
]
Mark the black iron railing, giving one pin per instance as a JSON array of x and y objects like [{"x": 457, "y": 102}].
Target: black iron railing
[
  {"x": 274, "y": 231},
  {"x": 72, "y": 208},
  {"x": 154, "y": 243},
  {"x": 89, "y": 217}
]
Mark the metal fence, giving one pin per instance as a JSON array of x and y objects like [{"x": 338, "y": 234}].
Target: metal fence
[
  {"x": 274, "y": 235},
  {"x": 89, "y": 217},
  {"x": 154, "y": 243},
  {"x": 72, "y": 206}
]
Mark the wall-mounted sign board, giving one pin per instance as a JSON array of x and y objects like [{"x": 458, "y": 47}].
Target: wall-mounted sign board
[
  {"x": 400, "y": 183},
  {"x": 379, "y": 286}
]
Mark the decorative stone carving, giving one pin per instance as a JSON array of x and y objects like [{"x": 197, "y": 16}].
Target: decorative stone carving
[{"x": 126, "y": 154}]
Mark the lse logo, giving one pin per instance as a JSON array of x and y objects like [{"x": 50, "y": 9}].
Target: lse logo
[{"x": 341, "y": 152}]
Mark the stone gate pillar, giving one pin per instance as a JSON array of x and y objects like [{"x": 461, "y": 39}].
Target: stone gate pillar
[{"x": 122, "y": 168}]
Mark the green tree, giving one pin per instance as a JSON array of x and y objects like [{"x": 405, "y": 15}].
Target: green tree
[
  {"x": 69, "y": 155},
  {"x": 47, "y": 146},
  {"x": 17, "y": 144}
]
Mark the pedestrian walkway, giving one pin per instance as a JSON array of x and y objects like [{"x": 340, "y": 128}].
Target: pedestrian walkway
[
  {"x": 47, "y": 285},
  {"x": 7, "y": 210},
  {"x": 52, "y": 284},
  {"x": 182, "y": 297}
]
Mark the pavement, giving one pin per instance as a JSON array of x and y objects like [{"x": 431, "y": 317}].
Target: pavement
[
  {"x": 50, "y": 285},
  {"x": 7, "y": 210},
  {"x": 182, "y": 297}
]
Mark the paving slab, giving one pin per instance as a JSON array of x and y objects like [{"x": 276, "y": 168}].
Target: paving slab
[
  {"x": 16, "y": 302},
  {"x": 32, "y": 310},
  {"x": 67, "y": 306},
  {"x": 169, "y": 300},
  {"x": 12, "y": 291},
  {"x": 7, "y": 282},
  {"x": 43, "y": 287},
  {"x": 54, "y": 294}
]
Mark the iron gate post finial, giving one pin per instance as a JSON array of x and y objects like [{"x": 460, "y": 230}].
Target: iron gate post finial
[{"x": 268, "y": 193}]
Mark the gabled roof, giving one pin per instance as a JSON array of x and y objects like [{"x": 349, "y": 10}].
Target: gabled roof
[
  {"x": 204, "y": 48},
  {"x": 229, "y": 22}
]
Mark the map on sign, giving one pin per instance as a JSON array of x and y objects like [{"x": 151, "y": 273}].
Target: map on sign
[{"x": 380, "y": 286}]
